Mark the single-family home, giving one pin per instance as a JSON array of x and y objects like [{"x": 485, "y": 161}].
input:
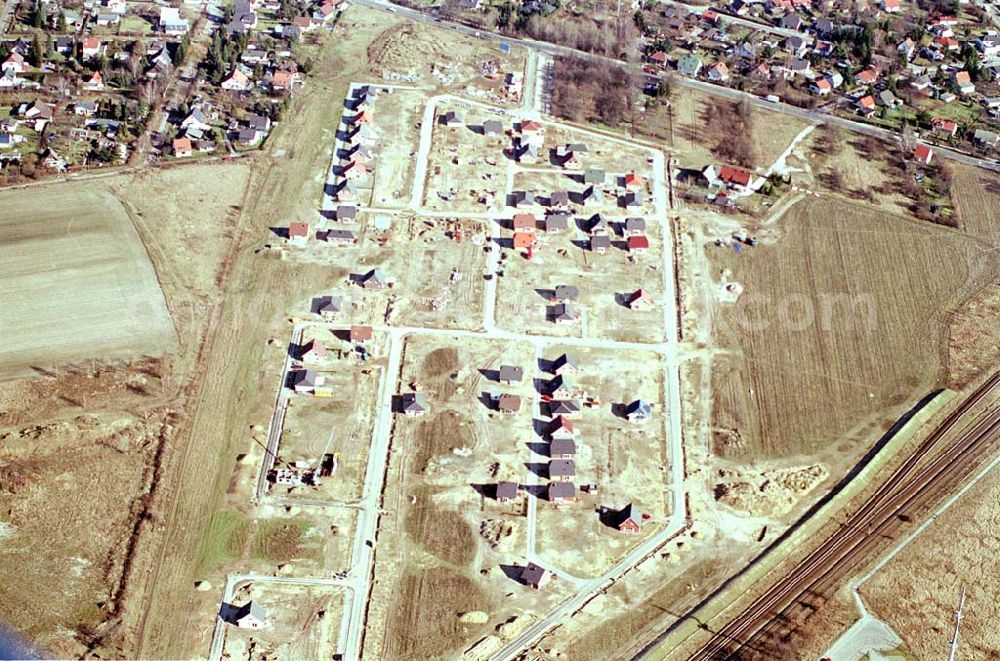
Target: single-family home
[
  {"x": 14, "y": 62},
  {"x": 509, "y": 374},
  {"x": 718, "y": 72},
  {"x": 313, "y": 351},
  {"x": 449, "y": 119},
  {"x": 509, "y": 404},
  {"x": 374, "y": 279},
  {"x": 561, "y": 492},
  {"x": 564, "y": 364},
  {"x": 944, "y": 126},
  {"x": 91, "y": 47},
  {"x": 866, "y": 105},
  {"x": 866, "y": 76},
  {"x": 250, "y": 615},
  {"x": 563, "y": 407},
  {"x": 562, "y": 470},
  {"x": 327, "y": 306},
  {"x": 182, "y": 147},
  {"x": 534, "y": 576},
  {"x": 963, "y": 82},
  {"x": 820, "y": 87},
  {"x": 360, "y": 334},
  {"x": 689, "y": 64},
  {"x": 413, "y": 403},
  {"x": 922, "y": 154},
  {"x": 562, "y": 449},
  {"x": 600, "y": 243},
  {"x": 506, "y": 492},
  {"x": 237, "y": 81},
  {"x": 561, "y": 427},
  {"x": 298, "y": 233},
  {"x": 555, "y": 222},
  {"x": 638, "y": 411},
  {"x": 639, "y": 300},
  {"x": 564, "y": 313},
  {"x": 630, "y": 519},
  {"x": 637, "y": 244}
]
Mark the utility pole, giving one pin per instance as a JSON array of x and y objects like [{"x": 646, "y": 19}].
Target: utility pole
[{"x": 958, "y": 621}]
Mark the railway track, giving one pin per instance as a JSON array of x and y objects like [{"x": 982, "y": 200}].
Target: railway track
[{"x": 917, "y": 482}]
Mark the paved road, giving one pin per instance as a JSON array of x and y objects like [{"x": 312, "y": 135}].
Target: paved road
[{"x": 681, "y": 81}]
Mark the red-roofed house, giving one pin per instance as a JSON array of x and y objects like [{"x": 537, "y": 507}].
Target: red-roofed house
[
  {"x": 963, "y": 81},
  {"x": 524, "y": 239},
  {"x": 891, "y": 6},
  {"x": 530, "y": 127},
  {"x": 923, "y": 154},
  {"x": 355, "y": 170},
  {"x": 732, "y": 177},
  {"x": 866, "y": 76},
  {"x": 945, "y": 126},
  {"x": 182, "y": 147},
  {"x": 91, "y": 47},
  {"x": 820, "y": 87},
  {"x": 659, "y": 58},
  {"x": 866, "y": 105},
  {"x": 639, "y": 300},
  {"x": 634, "y": 181},
  {"x": 638, "y": 244},
  {"x": 298, "y": 233}
]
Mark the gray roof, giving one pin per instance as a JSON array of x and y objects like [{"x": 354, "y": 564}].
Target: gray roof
[
  {"x": 563, "y": 406},
  {"x": 559, "y": 197},
  {"x": 374, "y": 276},
  {"x": 341, "y": 236},
  {"x": 323, "y": 304},
  {"x": 600, "y": 241},
  {"x": 561, "y": 490},
  {"x": 564, "y": 311},
  {"x": 567, "y": 292},
  {"x": 562, "y": 468},
  {"x": 507, "y": 490},
  {"x": 532, "y": 574},
  {"x": 635, "y": 224},
  {"x": 565, "y": 360},
  {"x": 345, "y": 212},
  {"x": 492, "y": 126},
  {"x": 631, "y": 513},
  {"x": 511, "y": 373},
  {"x": 304, "y": 378},
  {"x": 251, "y": 608},
  {"x": 639, "y": 408},
  {"x": 414, "y": 402},
  {"x": 556, "y": 221},
  {"x": 561, "y": 446}
]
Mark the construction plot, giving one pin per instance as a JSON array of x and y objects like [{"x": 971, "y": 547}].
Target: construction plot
[
  {"x": 586, "y": 281},
  {"x": 452, "y": 62},
  {"x": 397, "y": 117},
  {"x": 455, "y": 548},
  {"x": 75, "y": 282},
  {"x": 467, "y": 164},
  {"x": 277, "y": 621},
  {"x": 429, "y": 273},
  {"x": 616, "y": 447}
]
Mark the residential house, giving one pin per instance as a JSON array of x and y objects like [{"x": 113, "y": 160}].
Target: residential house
[
  {"x": 345, "y": 213},
  {"x": 866, "y": 76},
  {"x": 562, "y": 470},
  {"x": 534, "y": 576},
  {"x": 95, "y": 83},
  {"x": 790, "y": 22},
  {"x": 414, "y": 403},
  {"x": 298, "y": 233},
  {"x": 560, "y": 493},
  {"x": 565, "y": 364},
  {"x": 796, "y": 67},
  {"x": 91, "y": 47},
  {"x": 963, "y": 82},
  {"x": 906, "y": 48},
  {"x": 449, "y": 119},
  {"x": 524, "y": 222},
  {"x": 561, "y": 427},
  {"x": 891, "y": 6},
  {"x": 637, "y": 244},
  {"x": 313, "y": 351},
  {"x": 820, "y": 87},
  {"x": 374, "y": 279},
  {"x": 866, "y": 105},
  {"x": 359, "y": 334},
  {"x": 305, "y": 381},
  {"x": 555, "y": 222},
  {"x": 635, "y": 226},
  {"x": 492, "y": 127},
  {"x": 639, "y": 300},
  {"x": 525, "y": 240},
  {"x": 559, "y": 199},
  {"x": 887, "y": 99},
  {"x": 84, "y": 108},
  {"x": 340, "y": 237},
  {"x": 237, "y": 81},
  {"x": 563, "y": 407},
  {"x": 944, "y": 126},
  {"x": 659, "y": 58},
  {"x": 182, "y": 147},
  {"x": 250, "y": 615},
  {"x": 630, "y": 519},
  {"x": 923, "y": 154},
  {"x": 728, "y": 176},
  {"x": 509, "y": 404},
  {"x": 520, "y": 199},
  {"x": 562, "y": 449},
  {"x": 689, "y": 64},
  {"x": 718, "y": 72},
  {"x": 634, "y": 181},
  {"x": 600, "y": 243},
  {"x": 797, "y": 46},
  {"x": 564, "y": 313},
  {"x": 196, "y": 119},
  {"x": 327, "y": 306},
  {"x": 565, "y": 293},
  {"x": 171, "y": 21},
  {"x": 14, "y": 62},
  {"x": 506, "y": 492},
  {"x": 638, "y": 411},
  {"x": 509, "y": 374}
]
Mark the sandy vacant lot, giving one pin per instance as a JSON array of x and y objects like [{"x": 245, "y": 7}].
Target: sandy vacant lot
[{"x": 76, "y": 281}]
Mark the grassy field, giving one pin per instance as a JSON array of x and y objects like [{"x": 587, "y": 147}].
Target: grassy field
[
  {"x": 839, "y": 326},
  {"x": 917, "y": 591},
  {"x": 77, "y": 283}
]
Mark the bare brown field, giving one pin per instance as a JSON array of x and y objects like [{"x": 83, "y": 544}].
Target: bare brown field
[
  {"x": 69, "y": 492},
  {"x": 451, "y": 533},
  {"x": 397, "y": 121},
  {"x": 976, "y": 195},
  {"x": 77, "y": 283},
  {"x": 604, "y": 283},
  {"x": 917, "y": 591},
  {"x": 812, "y": 374}
]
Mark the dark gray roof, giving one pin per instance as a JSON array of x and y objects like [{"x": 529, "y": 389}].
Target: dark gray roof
[
  {"x": 561, "y": 446},
  {"x": 561, "y": 490},
  {"x": 562, "y": 468},
  {"x": 251, "y": 608},
  {"x": 323, "y": 304},
  {"x": 345, "y": 212},
  {"x": 492, "y": 126},
  {"x": 507, "y": 490},
  {"x": 639, "y": 408},
  {"x": 564, "y": 311},
  {"x": 414, "y": 402},
  {"x": 532, "y": 574},
  {"x": 600, "y": 241},
  {"x": 558, "y": 197},
  {"x": 556, "y": 221},
  {"x": 635, "y": 224},
  {"x": 305, "y": 378}
]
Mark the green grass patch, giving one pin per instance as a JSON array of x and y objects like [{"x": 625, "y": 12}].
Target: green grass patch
[
  {"x": 133, "y": 24},
  {"x": 281, "y": 540},
  {"x": 222, "y": 535}
]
